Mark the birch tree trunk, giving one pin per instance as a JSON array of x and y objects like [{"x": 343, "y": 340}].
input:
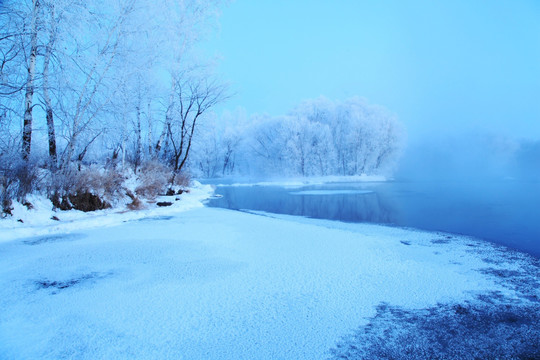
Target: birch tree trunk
[{"x": 29, "y": 96}]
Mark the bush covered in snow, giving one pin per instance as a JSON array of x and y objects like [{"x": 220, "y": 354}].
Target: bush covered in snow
[
  {"x": 18, "y": 179},
  {"x": 88, "y": 187}
]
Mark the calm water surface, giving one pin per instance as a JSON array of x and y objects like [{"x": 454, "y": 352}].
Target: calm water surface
[{"x": 506, "y": 212}]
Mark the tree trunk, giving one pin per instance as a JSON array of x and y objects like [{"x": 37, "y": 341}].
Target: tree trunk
[
  {"x": 124, "y": 136},
  {"x": 28, "y": 103},
  {"x": 189, "y": 138},
  {"x": 138, "y": 150},
  {"x": 168, "y": 121},
  {"x": 149, "y": 117},
  {"x": 46, "y": 96}
]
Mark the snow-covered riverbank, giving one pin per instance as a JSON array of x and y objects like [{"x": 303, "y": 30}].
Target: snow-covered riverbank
[
  {"x": 39, "y": 220},
  {"x": 219, "y": 284}
]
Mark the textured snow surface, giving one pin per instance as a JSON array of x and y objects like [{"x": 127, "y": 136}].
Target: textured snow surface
[{"x": 218, "y": 284}]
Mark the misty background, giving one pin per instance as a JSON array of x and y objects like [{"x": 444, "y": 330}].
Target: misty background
[{"x": 463, "y": 77}]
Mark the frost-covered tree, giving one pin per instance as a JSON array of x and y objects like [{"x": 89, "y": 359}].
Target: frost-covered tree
[
  {"x": 366, "y": 138},
  {"x": 89, "y": 80},
  {"x": 219, "y": 145},
  {"x": 308, "y": 147},
  {"x": 267, "y": 140},
  {"x": 13, "y": 76},
  {"x": 319, "y": 137},
  {"x": 193, "y": 97},
  {"x": 30, "y": 82}
]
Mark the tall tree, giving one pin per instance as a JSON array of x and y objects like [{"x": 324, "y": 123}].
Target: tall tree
[
  {"x": 31, "y": 67},
  {"x": 51, "y": 7}
]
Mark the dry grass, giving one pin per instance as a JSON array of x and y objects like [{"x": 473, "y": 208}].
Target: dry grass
[
  {"x": 136, "y": 203},
  {"x": 181, "y": 180},
  {"x": 154, "y": 178},
  {"x": 104, "y": 183}
]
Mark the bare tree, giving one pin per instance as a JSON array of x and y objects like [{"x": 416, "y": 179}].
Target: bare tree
[
  {"x": 194, "y": 96},
  {"x": 11, "y": 52},
  {"x": 230, "y": 143},
  {"x": 168, "y": 117},
  {"x": 12, "y": 81}
]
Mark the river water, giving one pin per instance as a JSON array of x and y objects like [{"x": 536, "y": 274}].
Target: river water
[{"x": 504, "y": 212}]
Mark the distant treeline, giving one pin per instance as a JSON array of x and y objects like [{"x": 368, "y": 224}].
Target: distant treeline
[{"x": 318, "y": 137}]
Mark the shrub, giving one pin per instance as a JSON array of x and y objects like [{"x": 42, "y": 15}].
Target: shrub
[
  {"x": 5, "y": 198},
  {"x": 136, "y": 203},
  {"x": 153, "y": 179},
  {"x": 17, "y": 179},
  {"x": 105, "y": 183},
  {"x": 181, "y": 180}
]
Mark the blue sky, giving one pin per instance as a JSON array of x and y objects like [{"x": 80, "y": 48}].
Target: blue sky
[{"x": 440, "y": 66}]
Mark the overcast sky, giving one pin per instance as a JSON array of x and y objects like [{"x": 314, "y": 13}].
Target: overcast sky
[{"x": 438, "y": 65}]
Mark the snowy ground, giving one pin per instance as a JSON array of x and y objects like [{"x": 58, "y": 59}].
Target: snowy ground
[{"x": 218, "y": 284}]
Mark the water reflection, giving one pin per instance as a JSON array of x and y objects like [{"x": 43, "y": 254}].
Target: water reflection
[
  {"x": 356, "y": 207},
  {"x": 502, "y": 212}
]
